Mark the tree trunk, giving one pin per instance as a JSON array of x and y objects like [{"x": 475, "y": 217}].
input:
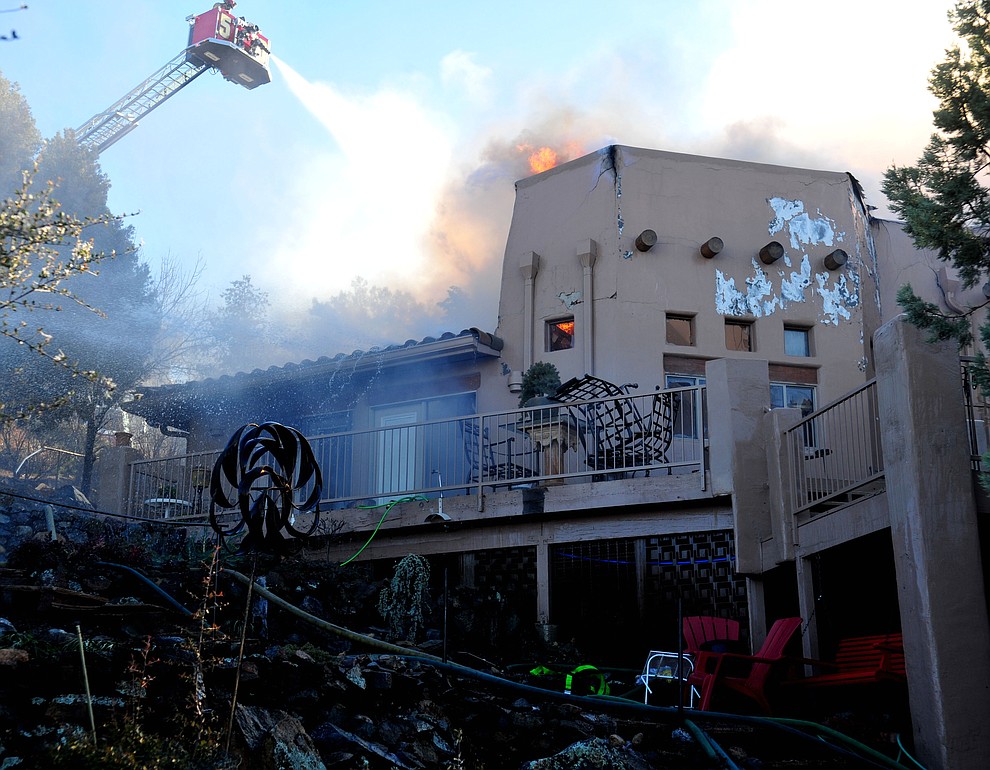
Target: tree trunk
[
  {"x": 94, "y": 421},
  {"x": 89, "y": 454}
]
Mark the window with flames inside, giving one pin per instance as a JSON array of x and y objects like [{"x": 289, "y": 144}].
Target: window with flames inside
[{"x": 560, "y": 334}]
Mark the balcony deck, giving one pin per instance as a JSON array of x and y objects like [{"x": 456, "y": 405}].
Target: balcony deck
[{"x": 494, "y": 460}]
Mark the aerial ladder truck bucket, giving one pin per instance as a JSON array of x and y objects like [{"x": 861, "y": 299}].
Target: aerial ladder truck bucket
[{"x": 217, "y": 40}]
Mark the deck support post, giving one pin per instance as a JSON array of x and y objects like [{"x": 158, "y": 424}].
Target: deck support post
[{"x": 933, "y": 526}]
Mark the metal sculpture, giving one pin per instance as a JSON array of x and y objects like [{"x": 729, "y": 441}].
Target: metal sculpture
[{"x": 266, "y": 465}]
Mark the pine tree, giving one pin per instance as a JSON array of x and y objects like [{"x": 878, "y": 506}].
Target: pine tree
[{"x": 944, "y": 199}]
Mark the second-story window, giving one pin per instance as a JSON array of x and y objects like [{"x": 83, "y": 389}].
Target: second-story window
[
  {"x": 680, "y": 329},
  {"x": 797, "y": 341},
  {"x": 560, "y": 334},
  {"x": 739, "y": 335}
]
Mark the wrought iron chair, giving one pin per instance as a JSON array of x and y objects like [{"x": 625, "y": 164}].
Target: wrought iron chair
[
  {"x": 491, "y": 461},
  {"x": 659, "y": 430},
  {"x": 611, "y": 425},
  {"x": 619, "y": 440}
]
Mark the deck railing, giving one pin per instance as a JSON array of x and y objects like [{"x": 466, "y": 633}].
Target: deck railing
[
  {"x": 171, "y": 487},
  {"x": 977, "y": 414},
  {"x": 834, "y": 454},
  {"x": 548, "y": 444}
]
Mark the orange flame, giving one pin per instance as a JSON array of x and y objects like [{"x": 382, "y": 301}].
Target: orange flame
[
  {"x": 542, "y": 159},
  {"x": 545, "y": 158}
]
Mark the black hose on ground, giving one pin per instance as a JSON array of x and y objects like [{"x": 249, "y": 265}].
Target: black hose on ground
[
  {"x": 849, "y": 747},
  {"x": 151, "y": 584}
]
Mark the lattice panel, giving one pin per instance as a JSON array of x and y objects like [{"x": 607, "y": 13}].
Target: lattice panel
[
  {"x": 699, "y": 569},
  {"x": 611, "y": 606},
  {"x": 507, "y": 570}
]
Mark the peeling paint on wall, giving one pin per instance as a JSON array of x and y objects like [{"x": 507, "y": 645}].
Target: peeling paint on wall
[
  {"x": 618, "y": 204},
  {"x": 838, "y": 298},
  {"x": 861, "y": 218},
  {"x": 792, "y": 289},
  {"x": 758, "y": 300},
  {"x": 573, "y": 298},
  {"x": 800, "y": 226},
  {"x": 762, "y": 298}
]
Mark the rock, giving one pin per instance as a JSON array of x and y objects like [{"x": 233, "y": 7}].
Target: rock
[
  {"x": 73, "y": 495},
  {"x": 312, "y": 606},
  {"x": 11, "y": 657},
  {"x": 390, "y": 732},
  {"x": 526, "y": 720},
  {"x": 60, "y": 637},
  {"x": 249, "y": 671},
  {"x": 340, "y": 739},
  {"x": 276, "y": 740},
  {"x": 288, "y": 747},
  {"x": 304, "y": 656},
  {"x": 378, "y": 680},
  {"x": 596, "y": 754},
  {"x": 355, "y": 676}
]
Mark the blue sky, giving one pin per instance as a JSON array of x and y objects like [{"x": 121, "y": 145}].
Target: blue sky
[{"x": 388, "y": 142}]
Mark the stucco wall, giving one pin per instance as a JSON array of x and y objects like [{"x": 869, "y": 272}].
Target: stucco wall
[{"x": 612, "y": 196}]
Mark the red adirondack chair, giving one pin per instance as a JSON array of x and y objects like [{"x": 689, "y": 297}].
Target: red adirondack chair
[
  {"x": 704, "y": 633},
  {"x": 746, "y": 675}
]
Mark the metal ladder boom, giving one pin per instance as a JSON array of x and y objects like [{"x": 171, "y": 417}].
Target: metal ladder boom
[{"x": 105, "y": 128}]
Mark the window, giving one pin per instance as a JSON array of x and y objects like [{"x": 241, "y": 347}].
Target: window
[
  {"x": 560, "y": 334},
  {"x": 686, "y": 408},
  {"x": 334, "y": 453},
  {"x": 328, "y": 422},
  {"x": 792, "y": 396},
  {"x": 680, "y": 329},
  {"x": 795, "y": 397},
  {"x": 739, "y": 335},
  {"x": 683, "y": 380},
  {"x": 797, "y": 341},
  {"x": 413, "y": 449}
]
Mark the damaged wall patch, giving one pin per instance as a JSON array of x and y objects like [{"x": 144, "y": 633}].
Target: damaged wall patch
[
  {"x": 765, "y": 294},
  {"x": 801, "y": 227}
]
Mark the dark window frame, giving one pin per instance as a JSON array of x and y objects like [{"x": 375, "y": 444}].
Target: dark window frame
[
  {"x": 792, "y": 329},
  {"x": 748, "y": 336},
  {"x": 556, "y": 334},
  {"x": 683, "y": 318}
]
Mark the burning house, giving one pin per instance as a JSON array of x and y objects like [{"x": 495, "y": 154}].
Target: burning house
[{"x": 739, "y": 432}]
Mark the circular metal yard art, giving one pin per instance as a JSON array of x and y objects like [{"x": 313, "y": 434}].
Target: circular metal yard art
[{"x": 261, "y": 472}]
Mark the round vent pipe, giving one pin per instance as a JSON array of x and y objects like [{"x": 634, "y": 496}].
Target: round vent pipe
[
  {"x": 646, "y": 240},
  {"x": 836, "y": 259},
  {"x": 771, "y": 253},
  {"x": 711, "y": 247}
]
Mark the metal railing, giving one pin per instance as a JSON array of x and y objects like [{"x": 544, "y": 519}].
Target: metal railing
[
  {"x": 835, "y": 455},
  {"x": 171, "y": 487},
  {"x": 465, "y": 455},
  {"x": 977, "y": 414}
]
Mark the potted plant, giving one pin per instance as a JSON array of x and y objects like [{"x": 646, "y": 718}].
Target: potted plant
[{"x": 539, "y": 383}]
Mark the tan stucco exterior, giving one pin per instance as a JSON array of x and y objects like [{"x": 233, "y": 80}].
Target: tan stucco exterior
[{"x": 609, "y": 198}]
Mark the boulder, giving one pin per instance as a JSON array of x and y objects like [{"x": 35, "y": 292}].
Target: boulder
[
  {"x": 594, "y": 754},
  {"x": 277, "y": 740}
]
